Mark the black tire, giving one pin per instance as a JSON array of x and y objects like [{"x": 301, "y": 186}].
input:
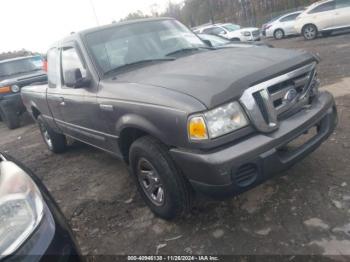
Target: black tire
[
  {"x": 10, "y": 118},
  {"x": 177, "y": 193},
  {"x": 310, "y": 32},
  {"x": 55, "y": 142},
  {"x": 278, "y": 34}
]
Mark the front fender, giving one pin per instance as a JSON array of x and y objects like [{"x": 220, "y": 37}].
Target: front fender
[{"x": 140, "y": 123}]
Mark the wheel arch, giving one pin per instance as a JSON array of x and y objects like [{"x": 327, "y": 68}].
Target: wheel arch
[
  {"x": 302, "y": 29},
  {"x": 132, "y": 127},
  {"x": 35, "y": 112}
]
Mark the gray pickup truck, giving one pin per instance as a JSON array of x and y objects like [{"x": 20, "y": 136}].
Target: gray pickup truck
[{"x": 186, "y": 118}]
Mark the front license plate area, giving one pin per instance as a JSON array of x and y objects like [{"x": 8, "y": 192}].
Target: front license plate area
[{"x": 300, "y": 140}]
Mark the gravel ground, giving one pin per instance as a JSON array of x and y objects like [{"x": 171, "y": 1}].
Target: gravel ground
[{"x": 306, "y": 212}]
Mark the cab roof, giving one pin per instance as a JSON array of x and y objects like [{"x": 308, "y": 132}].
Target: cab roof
[{"x": 17, "y": 58}]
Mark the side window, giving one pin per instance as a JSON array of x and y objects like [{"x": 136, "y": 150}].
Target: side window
[
  {"x": 323, "y": 7},
  {"x": 70, "y": 61},
  {"x": 342, "y": 3},
  {"x": 218, "y": 31},
  {"x": 52, "y": 66},
  {"x": 208, "y": 30},
  {"x": 289, "y": 18}
]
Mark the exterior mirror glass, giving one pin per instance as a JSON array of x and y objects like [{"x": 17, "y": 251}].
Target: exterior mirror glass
[{"x": 73, "y": 78}]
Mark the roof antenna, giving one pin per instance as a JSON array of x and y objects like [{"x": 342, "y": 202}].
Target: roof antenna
[{"x": 94, "y": 11}]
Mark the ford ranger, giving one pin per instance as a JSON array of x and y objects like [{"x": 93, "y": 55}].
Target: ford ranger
[{"x": 185, "y": 117}]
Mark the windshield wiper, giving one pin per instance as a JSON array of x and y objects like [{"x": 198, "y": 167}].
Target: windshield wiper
[
  {"x": 139, "y": 62},
  {"x": 185, "y": 50}
]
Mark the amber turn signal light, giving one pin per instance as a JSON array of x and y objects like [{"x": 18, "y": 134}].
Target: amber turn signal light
[{"x": 5, "y": 90}]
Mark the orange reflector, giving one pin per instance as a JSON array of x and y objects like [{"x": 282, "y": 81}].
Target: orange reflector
[
  {"x": 5, "y": 89},
  {"x": 197, "y": 129}
]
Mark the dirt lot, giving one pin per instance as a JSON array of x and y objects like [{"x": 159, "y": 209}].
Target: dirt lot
[{"x": 306, "y": 212}]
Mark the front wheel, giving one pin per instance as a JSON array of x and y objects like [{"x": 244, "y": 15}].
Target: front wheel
[
  {"x": 278, "y": 34},
  {"x": 160, "y": 183},
  {"x": 310, "y": 32},
  {"x": 55, "y": 142}
]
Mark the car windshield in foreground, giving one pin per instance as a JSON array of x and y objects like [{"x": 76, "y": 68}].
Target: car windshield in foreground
[
  {"x": 134, "y": 43},
  {"x": 231, "y": 27},
  {"x": 17, "y": 67}
]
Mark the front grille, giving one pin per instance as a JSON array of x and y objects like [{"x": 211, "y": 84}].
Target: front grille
[
  {"x": 272, "y": 100},
  {"x": 279, "y": 91}
]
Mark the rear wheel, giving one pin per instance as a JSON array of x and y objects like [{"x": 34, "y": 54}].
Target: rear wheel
[
  {"x": 310, "y": 32},
  {"x": 55, "y": 142},
  {"x": 160, "y": 183},
  {"x": 278, "y": 34},
  {"x": 10, "y": 118}
]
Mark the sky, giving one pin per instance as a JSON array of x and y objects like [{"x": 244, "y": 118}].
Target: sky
[{"x": 36, "y": 24}]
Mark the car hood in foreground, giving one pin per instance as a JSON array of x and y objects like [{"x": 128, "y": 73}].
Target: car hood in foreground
[
  {"x": 26, "y": 77},
  {"x": 218, "y": 76}
]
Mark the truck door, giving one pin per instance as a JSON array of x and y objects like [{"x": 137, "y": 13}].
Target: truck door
[
  {"x": 78, "y": 105},
  {"x": 53, "y": 96}
]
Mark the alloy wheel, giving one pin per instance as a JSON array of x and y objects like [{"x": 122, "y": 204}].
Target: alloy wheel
[
  {"x": 150, "y": 182},
  {"x": 310, "y": 32}
]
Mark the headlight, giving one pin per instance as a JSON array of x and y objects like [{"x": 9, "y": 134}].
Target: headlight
[
  {"x": 246, "y": 33},
  {"x": 21, "y": 207},
  {"x": 217, "y": 122},
  {"x": 15, "y": 88}
]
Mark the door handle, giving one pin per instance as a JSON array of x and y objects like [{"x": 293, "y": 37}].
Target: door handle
[{"x": 62, "y": 103}]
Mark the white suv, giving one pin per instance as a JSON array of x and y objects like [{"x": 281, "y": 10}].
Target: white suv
[{"x": 324, "y": 17}]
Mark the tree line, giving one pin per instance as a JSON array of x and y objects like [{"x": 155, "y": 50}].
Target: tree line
[{"x": 243, "y": 12}]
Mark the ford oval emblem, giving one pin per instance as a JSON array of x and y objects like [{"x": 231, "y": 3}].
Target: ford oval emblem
[{"x": 290, "y": 95}]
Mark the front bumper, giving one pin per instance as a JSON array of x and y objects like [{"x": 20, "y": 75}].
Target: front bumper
[
  {"x": 232, "y": 170},
  {"x": 12, "y": 102}
]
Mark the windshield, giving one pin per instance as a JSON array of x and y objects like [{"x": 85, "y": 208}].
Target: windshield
[
  {"x": 216, "y": 41},
  {"x": 128, "y": 44},
  {"x": 231, "y": 27},
  {"x": 17, "y": 66}
]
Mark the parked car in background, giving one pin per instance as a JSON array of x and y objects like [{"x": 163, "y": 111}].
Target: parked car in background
[
  {"x": 323, "y": 17},
  {"x": 185, "y": 117},
  {"x": 221, "y": 42},
  {"x": 38, "y": 61},
  {"x": 32, "y": 228},
  {"x": 231, "y": 32},
  {"x": 263, "y": 27},
  {"x": 283, "y": 26},
  {"x": 14, "y": 74}
]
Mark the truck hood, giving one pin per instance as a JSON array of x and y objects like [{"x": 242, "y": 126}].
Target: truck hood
[
  {"x": 23, "y": 78},
  {"x": 218, "y": 76}
]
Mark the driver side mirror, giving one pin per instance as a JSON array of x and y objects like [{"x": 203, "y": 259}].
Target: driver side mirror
[
  {"x": 223, "y": 33},
  {"x": 74, "y": 78}
]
